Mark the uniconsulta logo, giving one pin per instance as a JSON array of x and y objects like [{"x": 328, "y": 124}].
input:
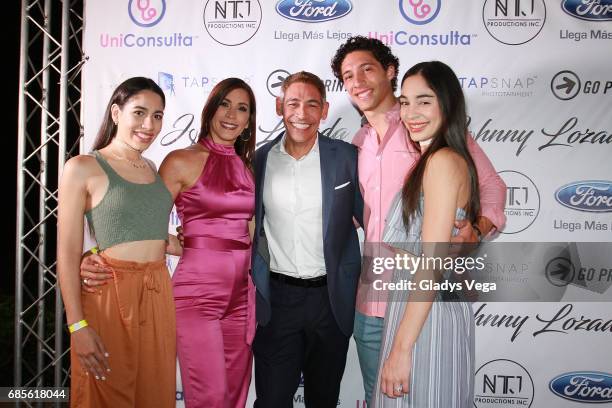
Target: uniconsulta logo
[
  {"x": 419, "y": 12},
  {"x": 583, "y": 386},
  {"x": 313, "y": 11},
  {"x": 589, "y": 196},
  {"x": 146, "y": 13},
  {"x": 591, "y": 10}
]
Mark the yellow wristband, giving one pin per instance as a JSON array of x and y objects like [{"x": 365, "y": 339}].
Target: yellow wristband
[
  {"x": 77, "y": 326},
  {"x": 94, "y": 250}
]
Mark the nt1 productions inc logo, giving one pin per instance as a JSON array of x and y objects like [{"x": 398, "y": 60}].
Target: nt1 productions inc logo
[
  {"x": 232, "y": 23},
  {"x": 501, "y": 383},
  {"x": 514, "y": 22}
]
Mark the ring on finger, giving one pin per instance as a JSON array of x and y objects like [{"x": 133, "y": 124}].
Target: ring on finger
[
  {"x": 86, "y": 282},
  {"x": 398, "y": 388}
]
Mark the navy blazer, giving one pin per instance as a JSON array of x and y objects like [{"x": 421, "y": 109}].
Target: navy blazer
[{"x": 340, "y": 241}]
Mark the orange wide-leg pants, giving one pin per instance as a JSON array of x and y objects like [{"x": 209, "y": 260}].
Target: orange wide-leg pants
[{"x": 134, "y": 316}]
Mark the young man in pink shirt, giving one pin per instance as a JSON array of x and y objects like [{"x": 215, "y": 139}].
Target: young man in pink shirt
[{"x": 368, "y": 70}]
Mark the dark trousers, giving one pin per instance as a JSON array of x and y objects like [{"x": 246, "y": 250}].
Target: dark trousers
[{"x": 301, "y": 337}]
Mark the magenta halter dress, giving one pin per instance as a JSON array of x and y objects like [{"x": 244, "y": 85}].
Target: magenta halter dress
[{"x": 213, "y": 292}]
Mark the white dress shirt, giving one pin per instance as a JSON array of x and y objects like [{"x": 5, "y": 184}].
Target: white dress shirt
[{"x": 293, "y": 212}]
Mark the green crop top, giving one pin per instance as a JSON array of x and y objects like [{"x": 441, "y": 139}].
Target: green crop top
[{"x": 129, "y": 211}]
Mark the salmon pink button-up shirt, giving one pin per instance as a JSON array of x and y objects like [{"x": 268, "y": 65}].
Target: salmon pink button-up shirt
[{"x": 382, "y": 170}]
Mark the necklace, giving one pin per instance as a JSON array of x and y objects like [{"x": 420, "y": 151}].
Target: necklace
[
  {"x": 137, "y": 164},
  {"x": 126, "y": 144},
  {"x": 134, "y": 163}
]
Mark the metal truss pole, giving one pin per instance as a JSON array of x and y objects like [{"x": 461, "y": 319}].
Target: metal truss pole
[
  {"x": 49, "y": 131},
  {"x": 21, "y": 119}
]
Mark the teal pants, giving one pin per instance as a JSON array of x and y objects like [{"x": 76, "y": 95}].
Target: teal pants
[{"x": 368, "y": 331}]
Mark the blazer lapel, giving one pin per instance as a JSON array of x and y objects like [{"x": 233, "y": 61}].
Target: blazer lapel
[{"x": 327, "y": 155}]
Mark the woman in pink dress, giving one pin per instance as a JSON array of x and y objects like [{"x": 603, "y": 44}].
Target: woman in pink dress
[{"x": 213, "y": 187}]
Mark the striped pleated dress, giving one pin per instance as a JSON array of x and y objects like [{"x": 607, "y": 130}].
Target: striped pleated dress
[{"x": 442, "y": 372}]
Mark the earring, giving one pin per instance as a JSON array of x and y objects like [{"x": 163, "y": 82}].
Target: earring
[{"x": 248, "y": 135}]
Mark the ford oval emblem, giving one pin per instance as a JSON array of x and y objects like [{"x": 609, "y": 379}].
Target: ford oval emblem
[
  {"x": 592, "y": 10},
  {"x": 313, "y": 11},
  {"x": 583, "y": 386},
  {"x": 589, "y": 196}
]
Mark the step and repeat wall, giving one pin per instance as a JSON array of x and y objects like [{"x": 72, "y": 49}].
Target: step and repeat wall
[{"x": 537, "y": 75}]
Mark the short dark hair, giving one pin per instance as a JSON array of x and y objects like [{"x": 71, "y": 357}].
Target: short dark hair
[
  {"x": 379, "y": 50},
  {"x": 306, "y": 78}
]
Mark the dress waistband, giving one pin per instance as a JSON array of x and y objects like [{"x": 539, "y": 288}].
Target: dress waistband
[
  {"x": 227, "y": 229},
  {"x": 215, "y": 243}
]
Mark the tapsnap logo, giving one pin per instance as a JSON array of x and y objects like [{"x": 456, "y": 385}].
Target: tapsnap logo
[
  {"x": 507, "y": 86},
  {"x": 166, "y": 82},
  {"x": 145, "y": 14},
  {"x": 591, "y": 10},
  {"x": 313, "y": 11},
  {"x": 583, "y": 386},
  {"x": 170, "y": 82},
  {"x": 419, "y": 11},
  {"x": 589, "y": 196}
]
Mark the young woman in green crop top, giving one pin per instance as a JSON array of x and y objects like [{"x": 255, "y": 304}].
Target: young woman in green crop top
[{"x": 122, "y": 336}]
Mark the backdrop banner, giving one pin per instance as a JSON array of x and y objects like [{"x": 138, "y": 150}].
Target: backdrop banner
[{"x": 538, "y": 80}]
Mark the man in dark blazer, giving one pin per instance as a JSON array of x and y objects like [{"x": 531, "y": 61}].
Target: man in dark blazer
[{"x": 306, "y": 258}]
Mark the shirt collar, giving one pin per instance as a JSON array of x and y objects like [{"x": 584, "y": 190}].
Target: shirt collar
[
  {"x": 392, "y": 115},
  {"x": 280, "y": 147}
]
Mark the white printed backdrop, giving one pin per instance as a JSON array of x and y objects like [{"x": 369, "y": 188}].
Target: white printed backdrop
[{"x": 538, "y": 79}]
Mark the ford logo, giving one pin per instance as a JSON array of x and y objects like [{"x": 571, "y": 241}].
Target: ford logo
[
  {"x": 583, "y": 386},
  {"x": 313, "y": 11},
  {"x": 592, "y": 10},
  {"x": 590, "y": 196}
]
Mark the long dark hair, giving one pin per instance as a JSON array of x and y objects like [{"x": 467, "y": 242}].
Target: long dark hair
[
  {"x": 452, "y": 134},
  {"x": 245, "y": 143},
  {"x": 121, "y": 94}
]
